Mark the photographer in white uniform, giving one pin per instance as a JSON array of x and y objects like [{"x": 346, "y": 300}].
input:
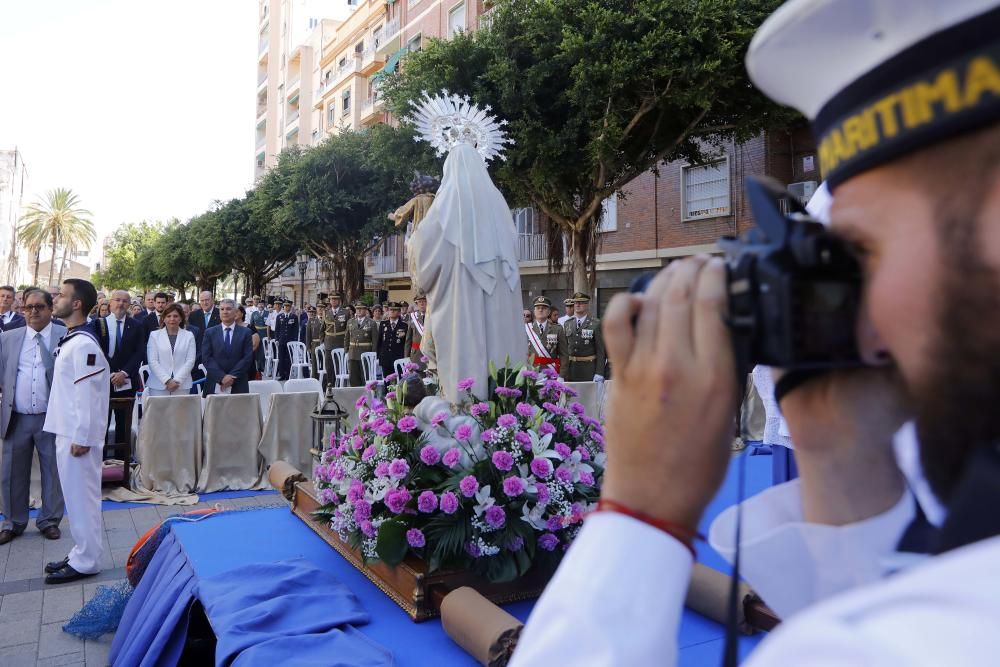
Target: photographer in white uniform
[
  {"x": 78, "y": 417},
  {"x": 904, "y": 97}
]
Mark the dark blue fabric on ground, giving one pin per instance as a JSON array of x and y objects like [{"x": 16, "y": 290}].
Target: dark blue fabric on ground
[
  {"x": 154, "y": 626},
  {"x": 261, "y": 609},
  {"x": 232, "y": 540}
]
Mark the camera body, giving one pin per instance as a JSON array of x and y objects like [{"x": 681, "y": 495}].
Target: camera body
[{"x": 794, "y": 288}]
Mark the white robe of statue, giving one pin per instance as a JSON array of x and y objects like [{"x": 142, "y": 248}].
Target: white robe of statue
[{"x": 464, "y": 256}]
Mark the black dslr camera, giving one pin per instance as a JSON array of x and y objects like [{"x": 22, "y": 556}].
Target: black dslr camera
[{"x": 794, "y": 288}]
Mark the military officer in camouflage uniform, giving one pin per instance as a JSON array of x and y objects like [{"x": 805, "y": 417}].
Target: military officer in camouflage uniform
[
  {"x": 391, "y": 343},
  {"x": 546, "y": 340},
  {"x": 586, "y": 344},
  {"x": 362, "y": 332},
  {"x": 314, "y": 334},
  {"x": 415, "y": 332},
  {"x": 334, "y": 331}
]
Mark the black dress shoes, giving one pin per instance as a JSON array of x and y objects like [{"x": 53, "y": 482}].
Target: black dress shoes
[
  {"x": 65, "y": 575},
  {"x": 56, "y": 565},
  {"x": 6, "y": 536},
  {"x": 51, "y": 532}
]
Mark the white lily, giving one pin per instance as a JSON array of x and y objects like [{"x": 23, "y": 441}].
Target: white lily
[
  {"x": 378, "y": 488},
  {"x": 574, "y": 463},
  {"x": 540, "y": 445},
  {"x": 533, "y": 517},
  {"x": 484, "y": 500}
]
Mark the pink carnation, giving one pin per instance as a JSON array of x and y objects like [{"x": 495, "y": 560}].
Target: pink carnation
[
  {"x": 563, "y": 450},
  {"x": 396, "y": 500},
  {"x": 382, "y": 469},
  {"x": 386, "y": 429},
  {"x": 407, "y": 424},
  {"x": 451, "y": 457},
  {"x": 495, "y": 517},
  {"x": 513, "y": 486},
  {"x": 468, "y": 486},
  {"x": 463, "y": 433},
  {"x": 449, "y": 502},
  {"x": 427, "y": 502},
  {"x": 548, "y": 541},
  {"x": 479, "y": 409},
  {"x": 367, "y": 528},
  {"x": 466, "y": 384},
  {"x": 368, "y": 454},
  {"x": 439, "y": 418},
  {"x": 545, "y": 428},
  {"x": 507, "y": 421},
  {"x": 429, "y": 455},
  {"x": 415, "y": 538},
  {"x": 398, "y": 469},
  {"x": 503, "y": 460},
  {"x": 541, "y": 468},
  {"x": 525, "y": 410}
]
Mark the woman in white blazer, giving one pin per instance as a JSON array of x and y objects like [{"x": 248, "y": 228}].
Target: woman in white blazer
[{"x": 170, "y": 352}]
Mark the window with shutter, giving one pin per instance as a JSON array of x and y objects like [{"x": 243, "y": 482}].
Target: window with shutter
[{"x": 705, "y": 190}]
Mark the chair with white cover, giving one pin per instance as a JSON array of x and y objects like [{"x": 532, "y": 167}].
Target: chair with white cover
[
  {"x": 300, "y": 385},
  {"x": 319, "y": 352},
  {"x": 588, "y": 395},
  {"x": 263, "y": 389},
  {"x": 400, "y": 366},
  {"x": 170, "y": 444},
  {"x": 341, "y": 378},
  {"x": 369, "y": 364},
  {"x": 270, "y": 363},
  {"x": 299, "y": 356},
  {"x": 287, "y": 433},
  {"x": 230, "y": 463}
]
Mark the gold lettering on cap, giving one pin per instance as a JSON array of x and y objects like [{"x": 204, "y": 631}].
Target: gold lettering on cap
[
  {"x": 886, "y": 110},
  {"x": 981, "y": 77},
  {"x": 943, "y": 91}
]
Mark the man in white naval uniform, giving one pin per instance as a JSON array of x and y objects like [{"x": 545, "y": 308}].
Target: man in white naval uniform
[
  {"x": 78, "y": 417},
  {"x": 904, "y": 97}
]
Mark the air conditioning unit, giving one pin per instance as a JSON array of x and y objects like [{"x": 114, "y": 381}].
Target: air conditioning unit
[{"x": 803, "y": 190}]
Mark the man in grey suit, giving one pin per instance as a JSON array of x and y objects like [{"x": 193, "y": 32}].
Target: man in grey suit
[{"x": 26, "y": 363}]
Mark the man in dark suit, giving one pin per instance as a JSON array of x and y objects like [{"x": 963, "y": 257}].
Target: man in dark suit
[
  {"x": 391, "y": 341},
  {"x": 26, "y": 363},
  {"x": 226, "y": 351},
  {"x": 152, "y": 321},
  {"x": 8, "y": 318},
  {"x": 209, "y": 315},
  {"x": 123, "y": 340}
]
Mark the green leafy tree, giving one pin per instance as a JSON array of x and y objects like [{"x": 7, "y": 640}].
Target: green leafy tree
[
  {"x": 167, "y": 261},
  {"x": 57, "y": 220},
  {"x": 208, "y": 257},
  {"x": 596, "y": 92},
  {"x": 339, "y": 195},
  {"x": 122, "y": 268}
]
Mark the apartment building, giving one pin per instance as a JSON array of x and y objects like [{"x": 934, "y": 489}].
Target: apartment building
[{"x": 291, "y": 35}]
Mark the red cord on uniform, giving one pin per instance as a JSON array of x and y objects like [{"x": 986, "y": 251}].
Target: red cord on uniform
[{"x": 684, "y": 535}]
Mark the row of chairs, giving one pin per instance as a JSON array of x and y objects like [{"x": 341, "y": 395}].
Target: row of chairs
[{"x": 300, "y": 367}]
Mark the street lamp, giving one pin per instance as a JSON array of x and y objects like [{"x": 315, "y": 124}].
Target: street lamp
[{"x": 302, "y": 260}]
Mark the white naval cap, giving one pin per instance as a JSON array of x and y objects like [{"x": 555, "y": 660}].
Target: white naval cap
[{"x": 879, "y": 78}]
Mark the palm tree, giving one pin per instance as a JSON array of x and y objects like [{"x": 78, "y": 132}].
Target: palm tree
[{"x": 58, "y": 220}]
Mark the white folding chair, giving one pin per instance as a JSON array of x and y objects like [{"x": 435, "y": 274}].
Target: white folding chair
[
  {"x": 400, "y": 366},
  {"x": 264, "y": 389},
  {"x": 369, "y": 364},
  {"x": 269, "y": 365},
  {"x": 299, "y": 356},
  {"x": 320, "y": 354},
  {"x": 341, "y": 378}
]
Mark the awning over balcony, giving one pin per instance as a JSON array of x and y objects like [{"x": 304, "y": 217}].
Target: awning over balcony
[{"x": 391, "y": 63}]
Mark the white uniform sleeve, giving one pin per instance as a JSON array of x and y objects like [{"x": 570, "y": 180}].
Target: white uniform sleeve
[
  {"x": 89, "y": 379},
  {"x": 792, "y": 564},
  {"x": 616, "y": 599}
]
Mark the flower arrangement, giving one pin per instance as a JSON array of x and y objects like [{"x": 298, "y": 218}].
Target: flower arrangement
[{"x": 495, "y": 485}]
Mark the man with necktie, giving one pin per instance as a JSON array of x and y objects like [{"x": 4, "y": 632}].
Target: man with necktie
[
  {"x": 227, "y": 350},
  {"x": 209, "y": 315},
  {"x": 9, "y": 318},
  {"x": 26, "y": 363},
  {"x": 123, "y": 341}
]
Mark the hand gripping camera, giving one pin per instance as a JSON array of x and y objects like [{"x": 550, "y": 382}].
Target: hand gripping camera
[{"x": 794, "y": 288}]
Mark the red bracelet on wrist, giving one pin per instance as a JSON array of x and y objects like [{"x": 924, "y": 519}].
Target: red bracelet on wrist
[{"x": 682, "y": 534}]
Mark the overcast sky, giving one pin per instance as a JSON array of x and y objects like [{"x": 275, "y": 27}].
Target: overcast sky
[{"x": 145, "y": 109}]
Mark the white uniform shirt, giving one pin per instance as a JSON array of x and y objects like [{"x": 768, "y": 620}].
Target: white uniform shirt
[
  {"x": 564, "y": 319},
  {"x": 80, "y": 392},
  {"x": 31, "y": 391},
  {"x": 272, "y": 320}
]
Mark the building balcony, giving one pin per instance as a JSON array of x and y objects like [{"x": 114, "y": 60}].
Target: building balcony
[
  {"x": 261, "y": 140},
  {"x": 292, "y": 87},
  {"x": 262, "y": 77},
  {"x": 261, "y": 112},
  {"x": 351, "y": 66},
  {"x": 531, "y": 247},
  {"x": 391, "y": 29},
  {"x": 372, "y": 109},
  {"x": 262, "y": 47},
  {"x": 486, "y": 19},
  {"x": 292, "y": 120}
]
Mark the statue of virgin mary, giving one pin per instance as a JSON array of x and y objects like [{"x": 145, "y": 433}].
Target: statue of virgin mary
[{"x": 464, "y": 253}]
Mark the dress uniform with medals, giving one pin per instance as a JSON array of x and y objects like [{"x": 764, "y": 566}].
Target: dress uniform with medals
[
  {"x": 335, "y": 331},
  {"x": 78, "y": 415},
  {"x": 546, "y": 340},
  {"x": 586, "y": 344},
  {"x": 362, "y": 332},
  {"x": 287, "y": 330},
  {"x": 415, "y": 331},
  {"x": 391, "y": 343}
]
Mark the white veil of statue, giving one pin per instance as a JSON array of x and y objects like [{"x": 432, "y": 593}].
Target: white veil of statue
[{"x": 464, "y": 256}]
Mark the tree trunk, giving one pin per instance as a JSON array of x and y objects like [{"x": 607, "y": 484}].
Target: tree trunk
[
  {"x": 580, "y": 260},
  {"x": 62, "y": 264},
  {"x": 38, "y": 261},
  {"x": 52, "y": 263}
]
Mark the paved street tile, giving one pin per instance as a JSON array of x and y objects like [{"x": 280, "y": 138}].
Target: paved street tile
[
  {"x": 21, "y": 631},
  {"x": 54, "y": 642},
  {"x": 68, "y": 660},
  {"x": 97, "y": 651},
  {"x": 17, "y": 605},
  {"x": 60, "y": 603},
  {"x": 21, "y": 655}
]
